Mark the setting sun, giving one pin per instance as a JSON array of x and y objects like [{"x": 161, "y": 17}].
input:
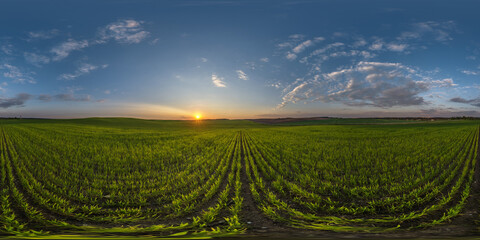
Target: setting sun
[{"x": 198, "y": 116}]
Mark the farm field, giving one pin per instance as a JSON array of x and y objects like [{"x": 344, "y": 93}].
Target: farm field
[{"x": 129, "y": 177}]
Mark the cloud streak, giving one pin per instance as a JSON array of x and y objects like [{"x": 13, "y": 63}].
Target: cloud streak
[
  {"x": 64, "y": 49},
  {"x": 242, "y": 75},
  {"x": 218, "y": 81},
  {"x": 474, "y": 102},
  {"x": 17, "y": 101},
  {"x": 127, "y": 31},
  {"x": 16, "y": 74},
  {"x": 42, "y": 35},
  {"x": 83, "y": 69},
  {"x": 36, "y": 59},
  {"x": 70, "y": 97},
  {"x": 439, "y": 31}
]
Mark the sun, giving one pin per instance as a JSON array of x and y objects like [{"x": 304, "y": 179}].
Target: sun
[{"x": 198, "y": 116}]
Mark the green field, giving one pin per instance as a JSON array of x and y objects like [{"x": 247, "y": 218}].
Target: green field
[{"x": 131, "y": 177}]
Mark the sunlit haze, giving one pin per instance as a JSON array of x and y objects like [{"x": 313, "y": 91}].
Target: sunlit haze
[{"x": 239, "y": 59}]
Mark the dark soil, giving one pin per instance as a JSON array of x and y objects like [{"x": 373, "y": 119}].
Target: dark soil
[{"x": 250, "y": 214}]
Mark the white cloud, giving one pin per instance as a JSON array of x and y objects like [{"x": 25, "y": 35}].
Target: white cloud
[
  {"x": 16, "y": 74},
  {"x": 326, "y": 48},
  {"x": 265, "y": 60},
  {"x": 123, "y": 31},
  {"x": 276, "y": 85},
  {"x": 377, "y": 45},
  {"x": 302, "y": 46},
  {"x": 36, "y": 59},
  {"x": 299, "y": 47},
  {"x": 360, "y": 42},
  {"x": 291, "y": 56},
  {"x": 107, "y": 92},
  {"x": 284, "y": 44},
  {"x": 397, "y": 47},
  {"x": 296, "y": 36},
  {"x": 204, "y": 60},
  {"x": 154, "y": 41},
  {"x": 468, "y": 72},
  {"x": 242, "y": 75},
  {"x": 377, "y": 84},
  {"x": 218, "y": 81},
  {"x": 83, "y": 69},
  {"x": 64, "y": 49},
  {"x": 447, "y": 82}
]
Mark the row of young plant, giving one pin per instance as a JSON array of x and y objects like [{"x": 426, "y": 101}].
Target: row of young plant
[
  {"x": 44, "y": 201},
  {"x": 359, "y": 166},
  {"x": 324, "y": 213},
  {"x": 387, "y": 204},
  {"x": 59, "y": 207},
  {"x": 93, "y": 189}
]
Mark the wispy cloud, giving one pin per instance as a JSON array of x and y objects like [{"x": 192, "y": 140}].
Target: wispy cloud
[
  {"x": 242, "y": 75},
  {"x": 19, "y": 100},
  {"x": 377, "y": 45},
  {"x": 16, "y": 74},
  {"x": 44, "y": 97},
  {"x": 36, "y": 59},
  {"x": 447, "y": 82},
  {"x": 70, "y": 97},
  {"x": 123, "y": 31},
  {"x": 397, "y": 47},
  {"x": 296, "y": 36},
  {"x": 7, "y": 49},
  {"x": 2, "y": 86},
  {"x": 265, "y": 60},
  {"x": 64, "y": 49},
  {"x": 300, "y": 47},
  {"x": 42, "y": 34},
  {"x": 474, "y": 102},
  {"x": 218, "y": 81},
  {"x": 204, "y": 60},
  {"x": 439, "y": 31},
  {"x": 468, "y": 72},
  {"x": 360, "y": 42},
  {"x": 291, "y": 56},
  {"x": 83, "y": 69}
]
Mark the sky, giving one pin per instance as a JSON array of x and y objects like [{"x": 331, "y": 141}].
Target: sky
[{"x": 239, "y": 59}]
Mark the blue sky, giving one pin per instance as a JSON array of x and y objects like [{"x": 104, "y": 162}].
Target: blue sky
[{"x": 239, "y": 59}]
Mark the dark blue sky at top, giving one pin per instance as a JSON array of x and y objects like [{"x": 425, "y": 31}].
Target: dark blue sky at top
[{"x": 237, "y": 59}]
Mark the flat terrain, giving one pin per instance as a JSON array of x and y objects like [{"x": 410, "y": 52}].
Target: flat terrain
[{"x": 317, "y": 178}]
